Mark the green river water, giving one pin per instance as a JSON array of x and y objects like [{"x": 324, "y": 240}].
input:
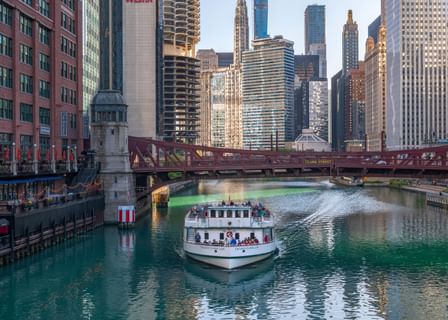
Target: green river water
[{"x": 344, "y": 254}]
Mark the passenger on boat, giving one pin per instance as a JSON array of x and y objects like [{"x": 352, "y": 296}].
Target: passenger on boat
[
  {"x": 197, "y": 237},
  {"x": 266, "y": 238},
  {"x": 233, "y": 242}
]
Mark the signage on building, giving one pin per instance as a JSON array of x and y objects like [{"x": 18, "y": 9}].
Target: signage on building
[{"x": 44, "y": 130}]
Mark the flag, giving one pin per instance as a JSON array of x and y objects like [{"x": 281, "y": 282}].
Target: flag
[
  {"x": 28, "y": 154},
  {"x": 18, "y": 154}
]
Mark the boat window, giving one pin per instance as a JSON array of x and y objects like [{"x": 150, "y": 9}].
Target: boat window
[
  {"x": 246, "y": 213},
  {"x": 237, "y": 214},
  {"x": 206, "y": 236},
  {"x": 252, "y": 235},
  {"x": 229, "y": 213},
  {"x": 237, "y": 236},
  {"x": 221, "y": 213},
  {"x": 213, "y": 213},
  {"x": 221, "y": 236}
]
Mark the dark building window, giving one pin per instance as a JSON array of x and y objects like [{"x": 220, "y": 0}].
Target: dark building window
[
  {"x": 5, "y": 14},
  {"x": 44, "y": 62},
  {"x": 44, "y": 35},
  {"x": 26, "y": 112},
  {"x": 44, "y": 116},
  {"x": 68, "y": 71},
  {"x": 68, "y": 95},
  {"x": 5, "y": 77},
  {"x": 44, "y": 8},
  {"x": 26, "y": 54},
  {"x": 5, "y": 109},
  {"x": 72, "y": 121},
  {"x": 70, "y": 4},
  {"x": 26, "y": 83},
  {"x": 26, "y": 25},
  {"x": 5, "y": 46},
  {"x": 68, "y": 23},
  {"x": 68, "y": 47},
  {"x": 44, "y": 145},
  {"x": 28, "y": 2},
  {"x": 26, "y": 143},
  {"x": 44, "y": 89},
  {"x": 64, "y": 124}
]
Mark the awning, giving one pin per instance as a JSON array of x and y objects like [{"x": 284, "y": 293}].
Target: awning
[{"x": 30, "y": 180}]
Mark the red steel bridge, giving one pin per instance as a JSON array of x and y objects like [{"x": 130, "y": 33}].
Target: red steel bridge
[{"x": 168, "y": 161}]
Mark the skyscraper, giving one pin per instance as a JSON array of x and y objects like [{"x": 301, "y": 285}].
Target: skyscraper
[
  {"x": 417, "y": 73},
  {"x": 315, "y": 42},
  {"x": 350, "y": 44},
  {"x": 180, "y": 119},
  {"x": 90, "y": 57},
  {"x": 354, "y": 103},
  {"x": 318, "y": 107},
  {"x": 268, "y": 93},
  {"x": 260, "y": 19},
  {"x": 128, "y": 46},
  {"x": 241, "y": 32}
]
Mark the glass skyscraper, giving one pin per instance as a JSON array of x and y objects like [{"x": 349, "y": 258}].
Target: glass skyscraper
[
  {"x": 260, "y": 19},
  {"x": 315, "y": 43}
]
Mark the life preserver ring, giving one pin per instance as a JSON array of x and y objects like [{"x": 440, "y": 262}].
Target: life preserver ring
[{"x": 229, "y": 234}]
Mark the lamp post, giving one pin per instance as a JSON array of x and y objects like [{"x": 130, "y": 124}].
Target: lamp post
[
  {"x": 53, "y": 160},
  {"x": 67, "y": 157},
  {"x": 75, "y": 159},
  {"x": 35, "y": 162}
]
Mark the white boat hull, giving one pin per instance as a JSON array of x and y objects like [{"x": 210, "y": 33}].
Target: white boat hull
[{"x": 229, "y": 257}]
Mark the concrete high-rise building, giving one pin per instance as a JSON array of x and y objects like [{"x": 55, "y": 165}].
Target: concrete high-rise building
[
  {"x": 315, "y": 41},
  {"x": 90, "y": 57},
  {"x": 417, "y": 73},
  {"x": 41, "y": 85},
  {"x": 208, "y": 59},
  {"x": 375, "y": 82},
  {"x": 260, "y": 19},
  {"x": 128, "y": 46},
  {"x": 350, "y": 44},
  {"x": 241, "y": 32},
  {"x": 218, "y": 109},
  {"x": 268, "y": 93},
  {"x": 337, "y": 111},
  {"x": 318, "y": 107},
  {"x": 306, "y": 67},
  {"x": 354, "y": 103},
  {"x": 180, "y": 118}
]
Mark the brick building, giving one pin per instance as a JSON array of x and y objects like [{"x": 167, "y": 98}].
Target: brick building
[{"x": 40, "y": 78}]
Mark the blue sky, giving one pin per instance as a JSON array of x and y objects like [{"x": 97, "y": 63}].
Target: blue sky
[{"x": 286, "y": 17}]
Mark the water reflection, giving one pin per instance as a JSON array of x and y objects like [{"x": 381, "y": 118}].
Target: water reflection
[{"x": 372, "y": 253}]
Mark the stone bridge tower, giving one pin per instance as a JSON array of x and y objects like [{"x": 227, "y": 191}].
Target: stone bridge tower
[{"x": 109, "y": 138}]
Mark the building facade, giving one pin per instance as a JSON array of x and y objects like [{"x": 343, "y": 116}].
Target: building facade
[
  {"x": 315, "y": 38},
  {"x": 218, "y": 109},
  {"x": 181, "y": 76},
  {"x": 90, "y": 57},
  {"x": 350, "y": 49},
  {"x": 318, "y": 107},
  {"x": 268, "y": 93},
  {"x": 208, "y": 59},
  {"x": 260, "y": 19},
  {"x": 337, "y": 111},
  {"x": 417, "y": 71},
  {"x": 354, "y": 93},
  {"x": 41, "y": 87},
  {"x": 128, "y": 42},
  {"x": 375, "y": 91}
]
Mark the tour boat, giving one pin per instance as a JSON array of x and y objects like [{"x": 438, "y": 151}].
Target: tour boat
[
  {"x": 347, "y": 181},
  {"x": 229, "y": 235}
]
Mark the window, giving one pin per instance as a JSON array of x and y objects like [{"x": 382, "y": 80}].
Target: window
[
  {"x": 64, "y": 123},
  {"x": 44, "y": 35},
  {"x": 246, "y": 213},
  {"x": 229, "y": 213},
  {"x": 26, "y": 25},
  {"x": 5, "y": 46},
  {"x": 206, "y": 236},
  {"x": 28, "y": 2},
  {"x": 72, "y": 121},
  {"x": 26, "y": 83},
  {"x": 44, "y": 89},
  {"x": 221, "y": 236},
  {"x": 237, "y": 214},
  {"x": 26, "y": 143},
  {"x": 44, "y": 116},
  {"x": 44, "y": 8},
  {"x": 221, "y": 213},
  {"x": 68, "y": 47},
  {"x": 44, "y": 62},
  {"x": 213, "y": 213},
  {"x": 5, "y": 14},
  {"x": 26, "y": 54},
  {"x": 5, "y": 77},
  {"x": 237, "y": 236},
  {"x": 68, "y": 95},
  {"x": 26, "y": 112},
  {"x": 252, "y": 235},
  {"x": 67, "y": 23},
  {"x": 44, "y": 145},
  {"x": 70, "y": 4},
  {"x": 5, "y": 109}
]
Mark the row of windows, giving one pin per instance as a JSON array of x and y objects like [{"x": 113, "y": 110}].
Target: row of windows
[
  {"x": 5, "y": 14},
  {"x": 68, "y": 71},
  {"x": 68, "y": 47},
  {"x": 68, "y": 23},
  {"x": 26, "y": 112},
  {"x": 26, "y": 25},
  {"x": 5, "y": 45},
  {"x": 26, "y": 54},
  {"x": 26, "y": 82},
  {"x": 221, "y": 236},
  {"x": 68, "y": 95},
  {"x": 229, "y": 213}
]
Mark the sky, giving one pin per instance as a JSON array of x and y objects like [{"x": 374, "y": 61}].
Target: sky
[{"x": 286, "y": 18}]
